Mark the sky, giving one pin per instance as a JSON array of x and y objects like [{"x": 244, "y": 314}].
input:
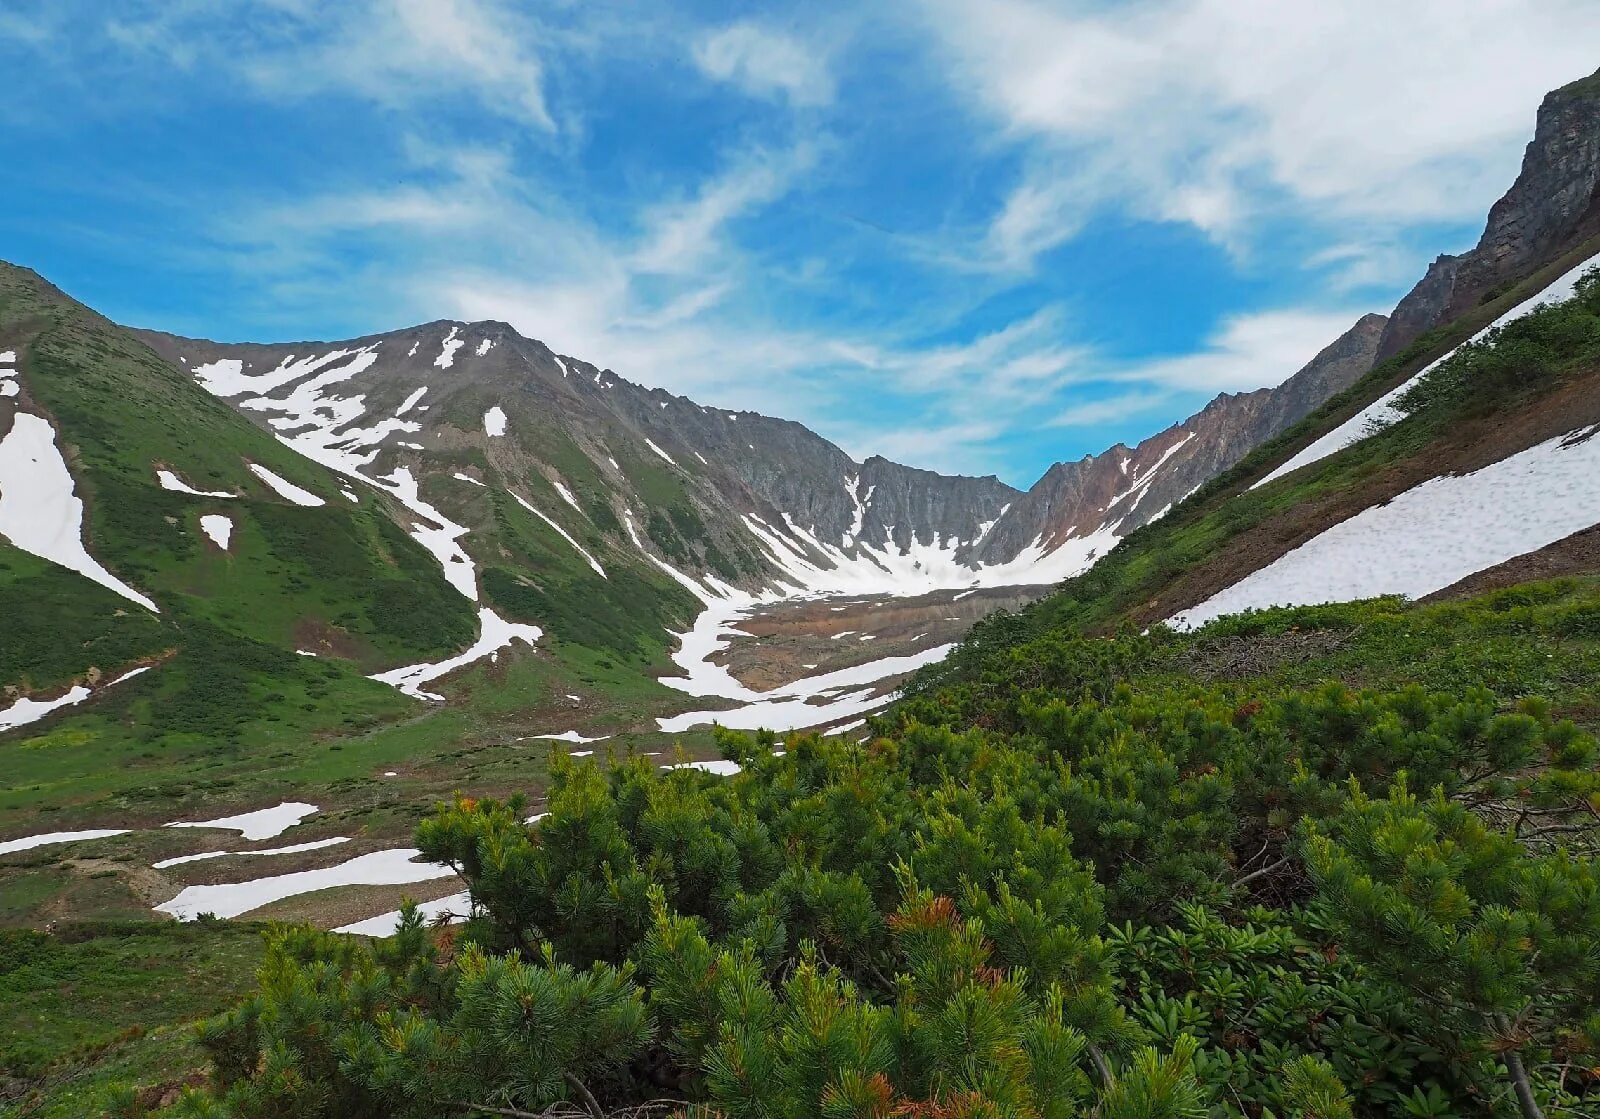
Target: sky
[{"x": 977, "y": 236}]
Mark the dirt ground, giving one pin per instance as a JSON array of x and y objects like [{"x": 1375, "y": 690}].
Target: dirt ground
[{"x": 796, "y": 639}]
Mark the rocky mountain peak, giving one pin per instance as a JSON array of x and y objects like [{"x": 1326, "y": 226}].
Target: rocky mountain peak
[{"x": 1553, "y": 205}]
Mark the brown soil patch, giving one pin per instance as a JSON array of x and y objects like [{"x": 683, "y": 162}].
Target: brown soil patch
[
  {"x": 345, "y": 905},
  {"x": 317, "y": 636},
  {"x": 795, "y": 639}
]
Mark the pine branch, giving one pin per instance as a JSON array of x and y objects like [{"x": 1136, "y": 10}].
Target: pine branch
[{"x": 1254, "y": 874}]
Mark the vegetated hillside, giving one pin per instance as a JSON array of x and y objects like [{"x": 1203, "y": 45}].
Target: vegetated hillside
[
  {"x": 1326, "y": 861},
  {"x": 195, "y": 562}
]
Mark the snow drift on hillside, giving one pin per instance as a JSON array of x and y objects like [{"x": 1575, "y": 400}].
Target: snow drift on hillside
[
  {"x": 1433, "y": 534},
  {"x": 1383, "y": 411},
  {"x": 40, "y": 511}
]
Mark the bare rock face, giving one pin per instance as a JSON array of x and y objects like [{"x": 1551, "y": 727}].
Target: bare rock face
[{"x": 1553, "y": 205}]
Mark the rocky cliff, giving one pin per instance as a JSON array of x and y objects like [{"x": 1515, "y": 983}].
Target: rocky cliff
[{"x": 1553, "y": 205}]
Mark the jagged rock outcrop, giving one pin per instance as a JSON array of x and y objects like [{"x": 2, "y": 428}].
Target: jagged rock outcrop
[{"x": 1553, "y": 205}]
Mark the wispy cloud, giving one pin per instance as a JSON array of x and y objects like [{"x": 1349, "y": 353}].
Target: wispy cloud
[
  {"x": 1218, "y": 113},
  {"x": 1246, "y": 352},
  {"x": 765, "y": 63}
]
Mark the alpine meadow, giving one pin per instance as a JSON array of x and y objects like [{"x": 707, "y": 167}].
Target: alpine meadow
[{"x": 431, "y": 722}]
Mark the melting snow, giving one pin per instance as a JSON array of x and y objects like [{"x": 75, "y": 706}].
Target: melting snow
[
  {"x": 572, "y": 736},
  {"x": 561, "y": 364},
  {"x": 485, "y": 346},
  {"x": 285, "y": 488},
  {"x": 293, "y": 849},
  {"x": 453, "y": 910},
  {"x": 598, "y": 570},
  {"x": 494, "y": 634},
  {"x": 447, "y": 355},
  {"x": 229, "y": 899},
  {"x": 566, "y": 495},
  {"x": 467, "y": 478},
  {"x": 721, "y": 767},
  {"x": 9, "y": 357},
  {"x": 26, "y": 711},
  {"x": 659, "y": 451},
  {"x": 494, "y": 421},
  {"x": 264, "y": 823},
  {"x": 410, "y": 402},
  {"x": 1433, "y": 534},
  {"x": 28, "y": 842},
  {"x": 170, "y": 481},
  {"x": 1383, "y": 411},
  {"x": 40, "y": 511},
  {"x": 218, "y": 528}
]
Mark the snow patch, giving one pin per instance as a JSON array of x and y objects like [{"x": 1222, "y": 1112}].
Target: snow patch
[
  {"x": 1433, "y": 534},
  {"x": 410, "y": 402},
  {"x": 285, "y": 488},
  {"x": 292, "y": 849},
  {"x": 592, "y": 562},
  {"x": 659, "y": 451},
  {"x": 721, "y": 767},
  {"x": 494, "y": 421},
  {"x": 40, "y": 511},
  {"x": 485, "y": 346},
  {"x": 174, "y": 484},
  {"x": 218, "y": 528},
  {"x": 47, "y": 839},
  {"x": 494, "y": 634},
  {"x": 453, "y": 910},
  {"x": 573, "y": 737},
  {"x": 566, "y": 495},
  {"x": 263, "y": 823},
  {"x": 447, "y": 355},
  {"x": 230, "y": 899}
]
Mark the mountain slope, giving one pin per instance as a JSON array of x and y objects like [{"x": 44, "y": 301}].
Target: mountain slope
[{"x": 202, "y": 531}]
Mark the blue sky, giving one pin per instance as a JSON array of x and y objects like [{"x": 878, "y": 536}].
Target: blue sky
[{"x": 973, "y": 236}]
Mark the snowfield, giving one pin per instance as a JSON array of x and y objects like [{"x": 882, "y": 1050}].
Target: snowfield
[
  {"x": 229, "y": 899},
  {"x": 40, "y": 511},
  {"x": 285, "y": 488},
  {"x": 264, "y": 823},
  {"x": 174, "y": 484},
  {"x": 1433, "y": 534},
  {"x": 29, "y": 842},
  {"x": 218, "y": 528}
]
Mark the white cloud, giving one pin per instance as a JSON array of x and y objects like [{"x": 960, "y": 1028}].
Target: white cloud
[
  {"x": 1246, "y": 352},
  {"x": 765, "y": 63},
  {"x": 1111, "y": 409},
  {"x": 392, "y": 52},
  {"x": 1221, "y": 112}
]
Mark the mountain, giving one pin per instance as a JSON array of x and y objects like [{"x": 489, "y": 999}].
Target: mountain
[
  {"x": 1553, "y": 205},
  {"x": 710, "y": 489},
  {"x": 1103, "y": 497}
]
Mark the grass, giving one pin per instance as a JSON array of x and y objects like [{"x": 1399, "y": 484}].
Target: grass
[{"x": 87, "y": 1005}]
